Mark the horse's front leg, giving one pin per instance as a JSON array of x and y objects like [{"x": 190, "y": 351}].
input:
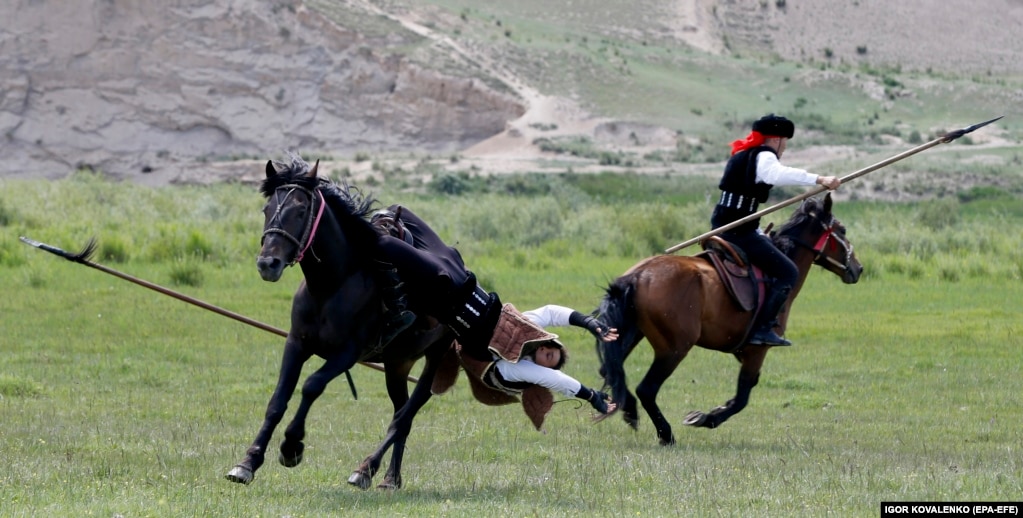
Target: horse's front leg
[
  {"x": 315, "y": 384},
  {"x": 291, "y": 368},
  {"x": 663, "y": 366},
  {"x": 398, "y": 431},
  {"x": 630, "y": 410},
  {"x": 752, "y": 359}
]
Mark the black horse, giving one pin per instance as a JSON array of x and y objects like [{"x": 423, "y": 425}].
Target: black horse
[
  {"x": 336, "y": 314},
  {"x": 678, "y": 302}
]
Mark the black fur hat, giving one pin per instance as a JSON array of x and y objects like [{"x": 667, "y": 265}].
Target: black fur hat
[{"x": 774, "y": 126}]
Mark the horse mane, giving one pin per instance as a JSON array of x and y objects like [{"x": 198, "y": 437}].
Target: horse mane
[{"x": 351, "y": 208}]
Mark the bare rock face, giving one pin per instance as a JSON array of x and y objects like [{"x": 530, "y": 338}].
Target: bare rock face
[{"x": 155, "y": 90}]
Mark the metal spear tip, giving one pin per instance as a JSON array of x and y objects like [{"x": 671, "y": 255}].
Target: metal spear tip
[
  {"x": 952, "y": 135},
  {"x": 30, "y": 242}
]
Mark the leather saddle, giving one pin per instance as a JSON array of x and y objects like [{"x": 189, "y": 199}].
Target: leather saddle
[
  {"x": 743, "y": 281},
  {"x": 389, "y": 222}
]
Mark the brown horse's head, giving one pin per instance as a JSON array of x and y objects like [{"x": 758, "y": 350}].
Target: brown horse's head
[{"x": 814, "y": 229}]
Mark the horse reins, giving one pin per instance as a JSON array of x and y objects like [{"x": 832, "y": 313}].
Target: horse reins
[
  {"x": 829, "y": 233},
  {"x": 818, "y": 247},
  {"x": 311, "y": 222}
]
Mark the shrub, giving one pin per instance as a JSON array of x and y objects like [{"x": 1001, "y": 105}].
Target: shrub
[
  {"x": 198, "y": 245},
  {"x": 6, "y": 215},
  {"x": 113, "y": 249},
  {"x": 939, "y": 214},
  {"x": 450, "y": 184},
  {"x": 18, "y": 387},
  {"x": 186, "y": 274}
]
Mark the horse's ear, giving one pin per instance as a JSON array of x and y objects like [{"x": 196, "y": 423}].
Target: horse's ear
[
  {"x": 271, "y": 171},
  {"x": 312, "y": 172},
  {"x": 827, "y": 203}
]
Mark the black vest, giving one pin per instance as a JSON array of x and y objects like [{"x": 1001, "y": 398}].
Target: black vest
[{"x": 740, "y": 183}]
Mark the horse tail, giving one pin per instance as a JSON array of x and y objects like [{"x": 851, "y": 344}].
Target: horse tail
[{"x": 618, "y": 310}]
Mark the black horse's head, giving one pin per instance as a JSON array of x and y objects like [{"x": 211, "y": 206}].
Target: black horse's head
[
  {"x": 299, "y": 205},
  {"x": 292, "y": 209},
  {"x": 815, "y": 229}
]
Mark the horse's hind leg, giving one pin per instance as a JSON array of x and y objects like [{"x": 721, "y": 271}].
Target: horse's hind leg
[
  {"x": 752, "y": 359},
  {"x": 291, "y": 368},
  {"x": 397, "y": 433},
  {"x": 292, "y": 446},
  {"x": 397, "y": 390}
]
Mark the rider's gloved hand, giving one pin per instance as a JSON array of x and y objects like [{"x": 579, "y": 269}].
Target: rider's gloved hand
[{"x": 597, "y": 399}]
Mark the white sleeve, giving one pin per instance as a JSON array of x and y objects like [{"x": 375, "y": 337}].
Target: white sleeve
[
  {"x": 550, "y": 315},
  {"x": 771, "y": 171},
  {"x": 528, "y": 372}
]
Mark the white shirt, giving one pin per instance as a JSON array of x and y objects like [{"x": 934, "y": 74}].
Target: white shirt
[
  {"x": 771, "y": 171},
  {"x": 550, "y": 315},
  {"x": 526, "y": 371}
]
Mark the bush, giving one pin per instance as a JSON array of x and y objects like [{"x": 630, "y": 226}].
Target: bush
[
  {"x": 450, "y": 184},
  {"x": 186, "y": 274},
  {"x": 198, "y": 245},
  {"x": 6, "y": 215},
  {"x": 113, "y": 249},
  {"x": 939, "y": 214}
]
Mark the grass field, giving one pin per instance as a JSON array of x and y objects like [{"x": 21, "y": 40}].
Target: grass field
[{"x": 117, "y": 401}]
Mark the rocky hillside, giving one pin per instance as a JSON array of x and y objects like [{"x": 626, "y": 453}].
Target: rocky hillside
[
  {"x": 179, "y": 90},
  {"x": 951, "y": 36},
  {"x": 155, "y": 89}
]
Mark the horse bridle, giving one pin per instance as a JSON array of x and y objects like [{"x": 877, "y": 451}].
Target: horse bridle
[
  {"x": 311, "y": 223},
  {"x": 829, "y": 234},
  {"x": 822, "y": 242}
]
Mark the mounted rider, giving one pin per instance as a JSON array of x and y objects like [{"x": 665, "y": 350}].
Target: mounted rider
[{"x": 753, "y": 169}]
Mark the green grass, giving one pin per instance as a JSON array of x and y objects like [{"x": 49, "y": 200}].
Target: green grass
[{"x": 119, "y": 401}]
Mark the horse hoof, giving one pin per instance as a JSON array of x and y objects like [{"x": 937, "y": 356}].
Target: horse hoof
[
  {"x": 239, "y": 474},
  {"x": 696, "y": 418},
  {"x": 360, "y": 480},
  {"x": 633, "y": 422},
  {"x": 289, "y": 461},
  {"x": 291, "y": 457},
  {"x": 389, "y": 485}
]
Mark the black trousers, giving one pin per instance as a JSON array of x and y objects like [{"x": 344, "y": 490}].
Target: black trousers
[
  {"x": 762, "y": 252},
  {"x": 432, "y": 271}
]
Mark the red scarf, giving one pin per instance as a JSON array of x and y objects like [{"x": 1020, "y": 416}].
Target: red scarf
[{"x": 752, "y": 140}]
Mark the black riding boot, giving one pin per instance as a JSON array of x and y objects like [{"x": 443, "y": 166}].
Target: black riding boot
[
  {"x": 763, "y": 330},
  {"x": 397, "y": 318}
]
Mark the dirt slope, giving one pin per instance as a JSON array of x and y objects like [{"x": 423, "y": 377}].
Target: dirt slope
[{"x": 185, "y": 90}]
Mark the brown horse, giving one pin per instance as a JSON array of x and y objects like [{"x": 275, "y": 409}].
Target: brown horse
[{"x": 677, "y": 302}]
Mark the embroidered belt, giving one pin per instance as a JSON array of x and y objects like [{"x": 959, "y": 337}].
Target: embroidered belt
[
  {"x": 731, "y": 200},
  {"x": 475, "y": 318}
]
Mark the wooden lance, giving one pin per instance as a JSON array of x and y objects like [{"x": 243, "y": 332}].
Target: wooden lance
[
  {"x": 944, "y": 139},
  {"x": 83, "y": 258}
]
